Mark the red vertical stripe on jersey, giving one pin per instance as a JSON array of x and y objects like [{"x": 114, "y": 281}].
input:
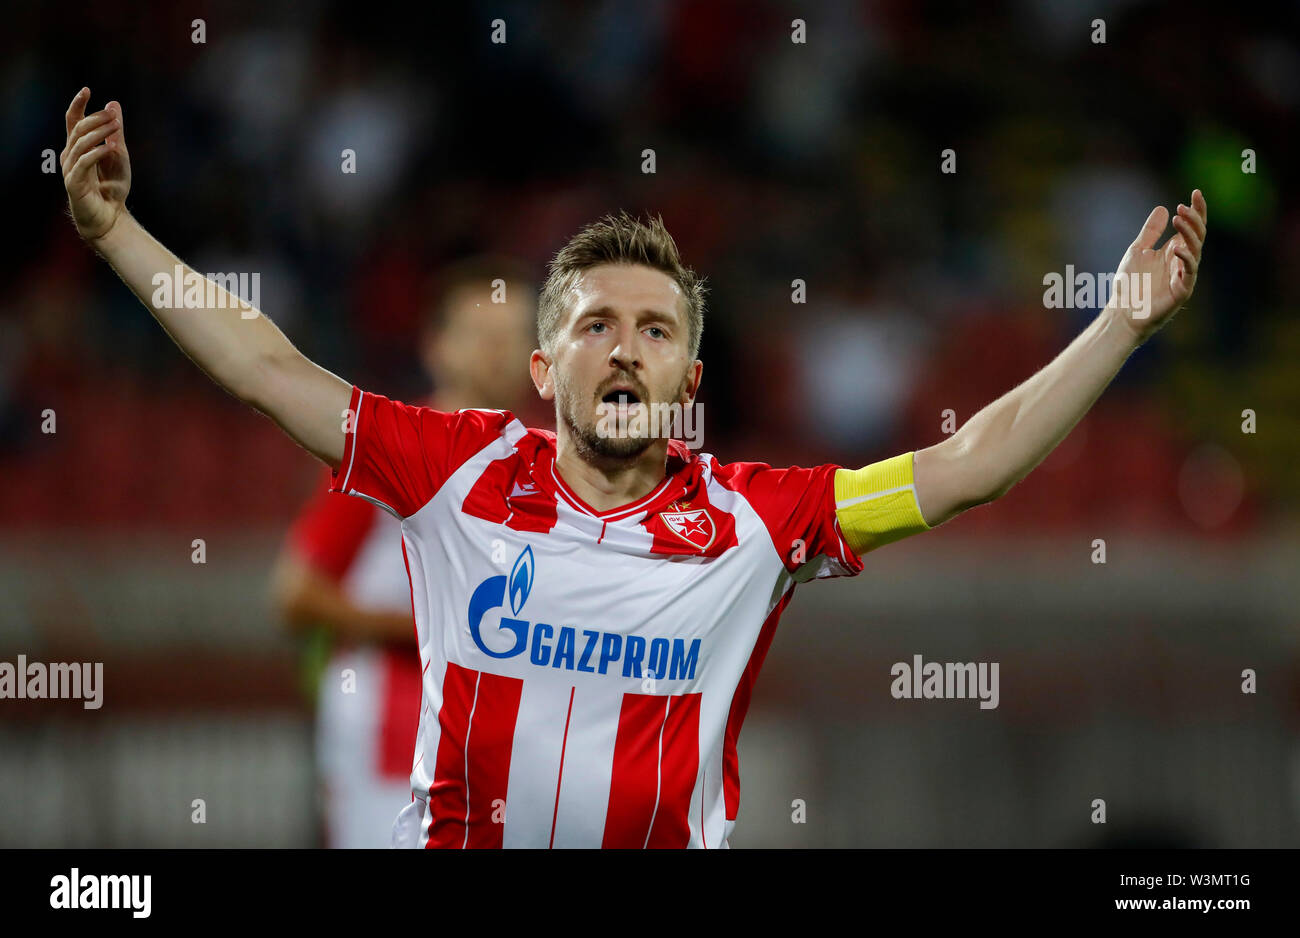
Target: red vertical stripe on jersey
[
  {"x": 472, "y": 771},
  {"x": 447, "y": 793},
  {"x": 447, "y": 798},
  {"x": 491, "y": 739},
  {"x": 740, "y": 706},
  {"x": 656, "y": 746},
  {"x": 634, "y": 781},
  {"x": 677, "y": 770}
]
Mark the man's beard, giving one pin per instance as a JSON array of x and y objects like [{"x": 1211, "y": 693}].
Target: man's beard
[{"x": 591, "y": 444}]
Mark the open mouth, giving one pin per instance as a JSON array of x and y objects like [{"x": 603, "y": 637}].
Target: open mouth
[{"x": 621, "y": 396}]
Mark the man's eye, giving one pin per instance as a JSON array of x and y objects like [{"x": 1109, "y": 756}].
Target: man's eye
[
  {"x": 596, "y": 324},
  {"x": 658, "y": 330}
]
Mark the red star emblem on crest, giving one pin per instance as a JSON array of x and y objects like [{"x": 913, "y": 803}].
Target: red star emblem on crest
[{"x": 695, "y": 527}]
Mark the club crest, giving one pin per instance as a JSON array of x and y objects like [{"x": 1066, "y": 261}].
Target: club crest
[{"x": 694, "y": 526}]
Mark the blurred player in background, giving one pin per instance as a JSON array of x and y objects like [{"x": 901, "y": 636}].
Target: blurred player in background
[{"x": 342, "y": 578}]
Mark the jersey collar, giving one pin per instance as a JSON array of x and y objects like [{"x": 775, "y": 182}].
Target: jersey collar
[{"x": 671, "y": 488}]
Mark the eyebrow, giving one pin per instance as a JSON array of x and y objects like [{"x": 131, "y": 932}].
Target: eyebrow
[{"x": 642, "y": 315}]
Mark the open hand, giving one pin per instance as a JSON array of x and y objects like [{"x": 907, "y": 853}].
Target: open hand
[
  {"x": 1156, "y": 284},
  {"x": 96, "y": 167}
]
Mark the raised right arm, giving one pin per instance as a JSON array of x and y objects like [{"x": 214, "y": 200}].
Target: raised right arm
[{"x": 234, "y": 344}]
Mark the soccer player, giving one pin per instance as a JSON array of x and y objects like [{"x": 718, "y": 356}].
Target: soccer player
[
  {"x": 342, "y": 571},
  {"x": 593, "y": 608}
]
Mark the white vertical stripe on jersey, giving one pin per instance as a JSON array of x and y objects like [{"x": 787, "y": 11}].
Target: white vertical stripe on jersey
[
  {"x": 535, "y": 763},
  {"x": 588, "y": 769}
]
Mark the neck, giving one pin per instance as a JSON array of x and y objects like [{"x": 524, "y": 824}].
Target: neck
[{"x": 604, "y": 482}]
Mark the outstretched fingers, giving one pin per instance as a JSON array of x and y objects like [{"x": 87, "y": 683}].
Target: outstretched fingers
[
  {"x": 1191, "y": 225},
  {"x": 1190, "y": 259},
  {"x": 1188, "y": 229},
  {"x": 1194, "y": 217},
  {"x": 76, "y": 110},
  {"x": 87, "y": 139},
  {"x": 82, "y": 127},
  {"x": 81, "y": 169},
  {"x": 1152, "y": 228},
  {"x": 118, "y": 139},
  {"x": 1198, "y": 203}
]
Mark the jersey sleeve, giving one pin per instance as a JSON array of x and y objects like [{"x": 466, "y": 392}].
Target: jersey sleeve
[
  {"x": 877, "y": 505},
  {"x": 398, "y": 455},
  {"x": 797, "y": 506},
  {"x": 330, "y": 530}
]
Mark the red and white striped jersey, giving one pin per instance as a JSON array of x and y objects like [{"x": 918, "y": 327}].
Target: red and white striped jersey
[{"x": 585, "y": 673}]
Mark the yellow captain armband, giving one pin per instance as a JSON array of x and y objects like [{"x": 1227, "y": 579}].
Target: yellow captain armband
[{"x": 877, "y": 504}]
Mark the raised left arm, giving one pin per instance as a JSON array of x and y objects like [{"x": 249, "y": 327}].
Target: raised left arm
[{"x": 1002, "y": 443}]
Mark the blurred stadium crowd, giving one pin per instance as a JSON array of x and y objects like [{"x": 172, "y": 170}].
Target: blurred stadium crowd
[{"x": 775, "y": 161}]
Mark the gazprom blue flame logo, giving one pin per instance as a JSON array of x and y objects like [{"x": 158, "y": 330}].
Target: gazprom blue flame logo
[
  {"x": 521, "y": 580},
  {"x": 491, "y": 594},
  {"x": 624, "y": 654}
]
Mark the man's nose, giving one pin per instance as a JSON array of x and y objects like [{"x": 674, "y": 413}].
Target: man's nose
[{"x": 626, "y": 353}]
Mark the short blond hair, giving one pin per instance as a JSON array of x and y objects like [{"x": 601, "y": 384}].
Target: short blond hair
[{"x": 618, "y": 239}]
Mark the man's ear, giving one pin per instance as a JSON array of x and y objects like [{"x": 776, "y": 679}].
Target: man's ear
[
  {"x": 539, "y": 366},
  {"x": 693, "y": 377}
]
